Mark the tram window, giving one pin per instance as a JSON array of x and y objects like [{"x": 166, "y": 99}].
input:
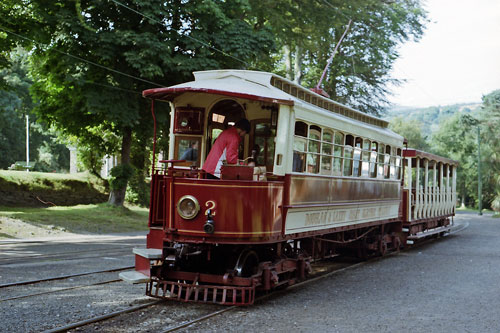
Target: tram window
[
  {"x": 393, "y": 163},
  {"x": 263, "y": 143},
  {"x": 337, "y": 153},
  {"x": 187, "y": 148},
  {"x": 373, "y": 160},
  {"x": 313, "y": 149},
  {"x": 301, "y": 129},
  {"x": 299, "y": 155},
  {"x": 398, "y": 164},
  {"x": 348, "y": 153},
  {"x": 327, "y": 136},
  {"x": 356, "y": 170},
  {"x": 381, "y": 150},
  {"x": 312, "y": 163},
  {"x": 326, "y": 165},
  {"x": 327, "y": 152},
  {"x": 365, "y": 156},
  {"x": 387, "y": 168}
]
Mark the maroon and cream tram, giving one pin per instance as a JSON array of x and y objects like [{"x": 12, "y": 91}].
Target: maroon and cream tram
[{"x": 328, "y": 179}]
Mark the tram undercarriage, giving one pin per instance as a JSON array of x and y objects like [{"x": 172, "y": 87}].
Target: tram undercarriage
[{"x": 228, "y": 274}]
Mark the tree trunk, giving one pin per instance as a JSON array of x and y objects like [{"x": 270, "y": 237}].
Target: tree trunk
[
  {"x": 117, "y": 196},
  {"x": 298, "y": 65},
  {"x": 288, "y": 62}
]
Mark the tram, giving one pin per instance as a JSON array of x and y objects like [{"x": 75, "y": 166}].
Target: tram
[{"x": 327, "y": 179}]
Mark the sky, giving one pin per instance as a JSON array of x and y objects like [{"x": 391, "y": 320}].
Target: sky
[{"x": 458, "y": 58}]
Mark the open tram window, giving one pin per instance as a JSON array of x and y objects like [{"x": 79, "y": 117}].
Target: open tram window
[
  {"x": 337, "y": 153},
  {"x": 299, "y": 147},
  {"x": 222, "y": 115},
  {"x": 373, "y": 160},
  {"x": 313, "y": 149},
  {"x": 348, "y": 154},
  {"x": 326, "y": 152}
]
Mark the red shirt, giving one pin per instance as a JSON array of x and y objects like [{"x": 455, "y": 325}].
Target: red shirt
[{"x": 224, "y": 148}]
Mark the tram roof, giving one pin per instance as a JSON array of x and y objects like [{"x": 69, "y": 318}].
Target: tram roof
[
  {"x": 410, "y": 152},
  {"x": 260, "y": 86}
]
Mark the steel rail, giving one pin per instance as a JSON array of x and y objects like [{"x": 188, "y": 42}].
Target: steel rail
[
  {"x": 305, "y": 282},
  {"x": 260, "y": 298},
  {"x": 8, "y": 261},
  {"x": 62, "y": 277},
  {"x": 58, "y": 290},
  {"x": 100, "y": 318}
]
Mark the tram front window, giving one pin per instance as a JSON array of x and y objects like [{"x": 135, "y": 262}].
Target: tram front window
[{"x": 263, "y": 144}]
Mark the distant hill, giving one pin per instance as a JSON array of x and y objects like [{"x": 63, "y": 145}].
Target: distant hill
[{"x": 431, "y": 116}]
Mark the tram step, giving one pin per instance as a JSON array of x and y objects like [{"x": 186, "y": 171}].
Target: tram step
[
  {"x": 430, "y": 232},
  {"x": 134, "y": 277},
  {"x": 148, "y": 253}
]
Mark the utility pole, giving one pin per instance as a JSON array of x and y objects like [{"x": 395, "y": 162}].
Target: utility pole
[
  {"x": 27, "y": 143},
  {"x": 479, "y": 183}
]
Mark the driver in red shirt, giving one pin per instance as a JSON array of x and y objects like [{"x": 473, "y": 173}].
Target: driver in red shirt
[{"x": 225, "y": 148}]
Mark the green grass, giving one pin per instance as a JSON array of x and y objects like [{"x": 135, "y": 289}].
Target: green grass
[{"x": 100, "y": 218}]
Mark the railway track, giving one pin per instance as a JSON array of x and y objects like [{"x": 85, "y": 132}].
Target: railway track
[
  {"x": 61, "y": 277},
  {"x": 38, "y": 258},
  {"x": 59, "y": 290},
  {"x": 180, "y": 324},
  {"x": 185, "y": 324}
]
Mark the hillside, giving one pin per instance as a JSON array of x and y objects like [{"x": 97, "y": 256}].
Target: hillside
[
  {"x": 432, "y": 116},
  {"x": 37, "y": 189}
]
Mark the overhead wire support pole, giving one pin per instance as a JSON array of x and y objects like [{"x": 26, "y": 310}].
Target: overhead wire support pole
[
  {"x": 479, "y": 182},
  {"x": 27, "y": 143},
  {"x": 333, "y": 54}
]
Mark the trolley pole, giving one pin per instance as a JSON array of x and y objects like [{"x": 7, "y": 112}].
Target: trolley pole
[{"x": 479, "y": 182}]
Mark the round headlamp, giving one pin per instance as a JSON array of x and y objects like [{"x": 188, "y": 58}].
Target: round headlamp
[{"x": 188, "y": 207}]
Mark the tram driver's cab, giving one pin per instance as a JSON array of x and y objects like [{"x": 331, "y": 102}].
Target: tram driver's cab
[{"x": 195, "y": 130}]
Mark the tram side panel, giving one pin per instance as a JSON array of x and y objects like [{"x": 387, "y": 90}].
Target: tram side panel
[{"x": 321, "y": 203}]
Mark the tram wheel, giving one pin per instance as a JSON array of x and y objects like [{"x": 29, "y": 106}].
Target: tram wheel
[{"x": 247, "y": 264}]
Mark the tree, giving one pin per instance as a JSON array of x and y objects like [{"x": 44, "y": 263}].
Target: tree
[
  {"x": 307, "y": 32},
  {"x": 490, "y": 124},
  {"x": 457, "y": 139},
  {"x": 97, "y": 57},
  {"x": 411, "y": 130}
]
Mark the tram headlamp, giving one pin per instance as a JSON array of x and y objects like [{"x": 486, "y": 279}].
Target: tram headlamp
[{"x": 188, "y": 207}]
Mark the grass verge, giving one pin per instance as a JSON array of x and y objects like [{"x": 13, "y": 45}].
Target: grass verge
[{"x": 80, "y": 219}]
